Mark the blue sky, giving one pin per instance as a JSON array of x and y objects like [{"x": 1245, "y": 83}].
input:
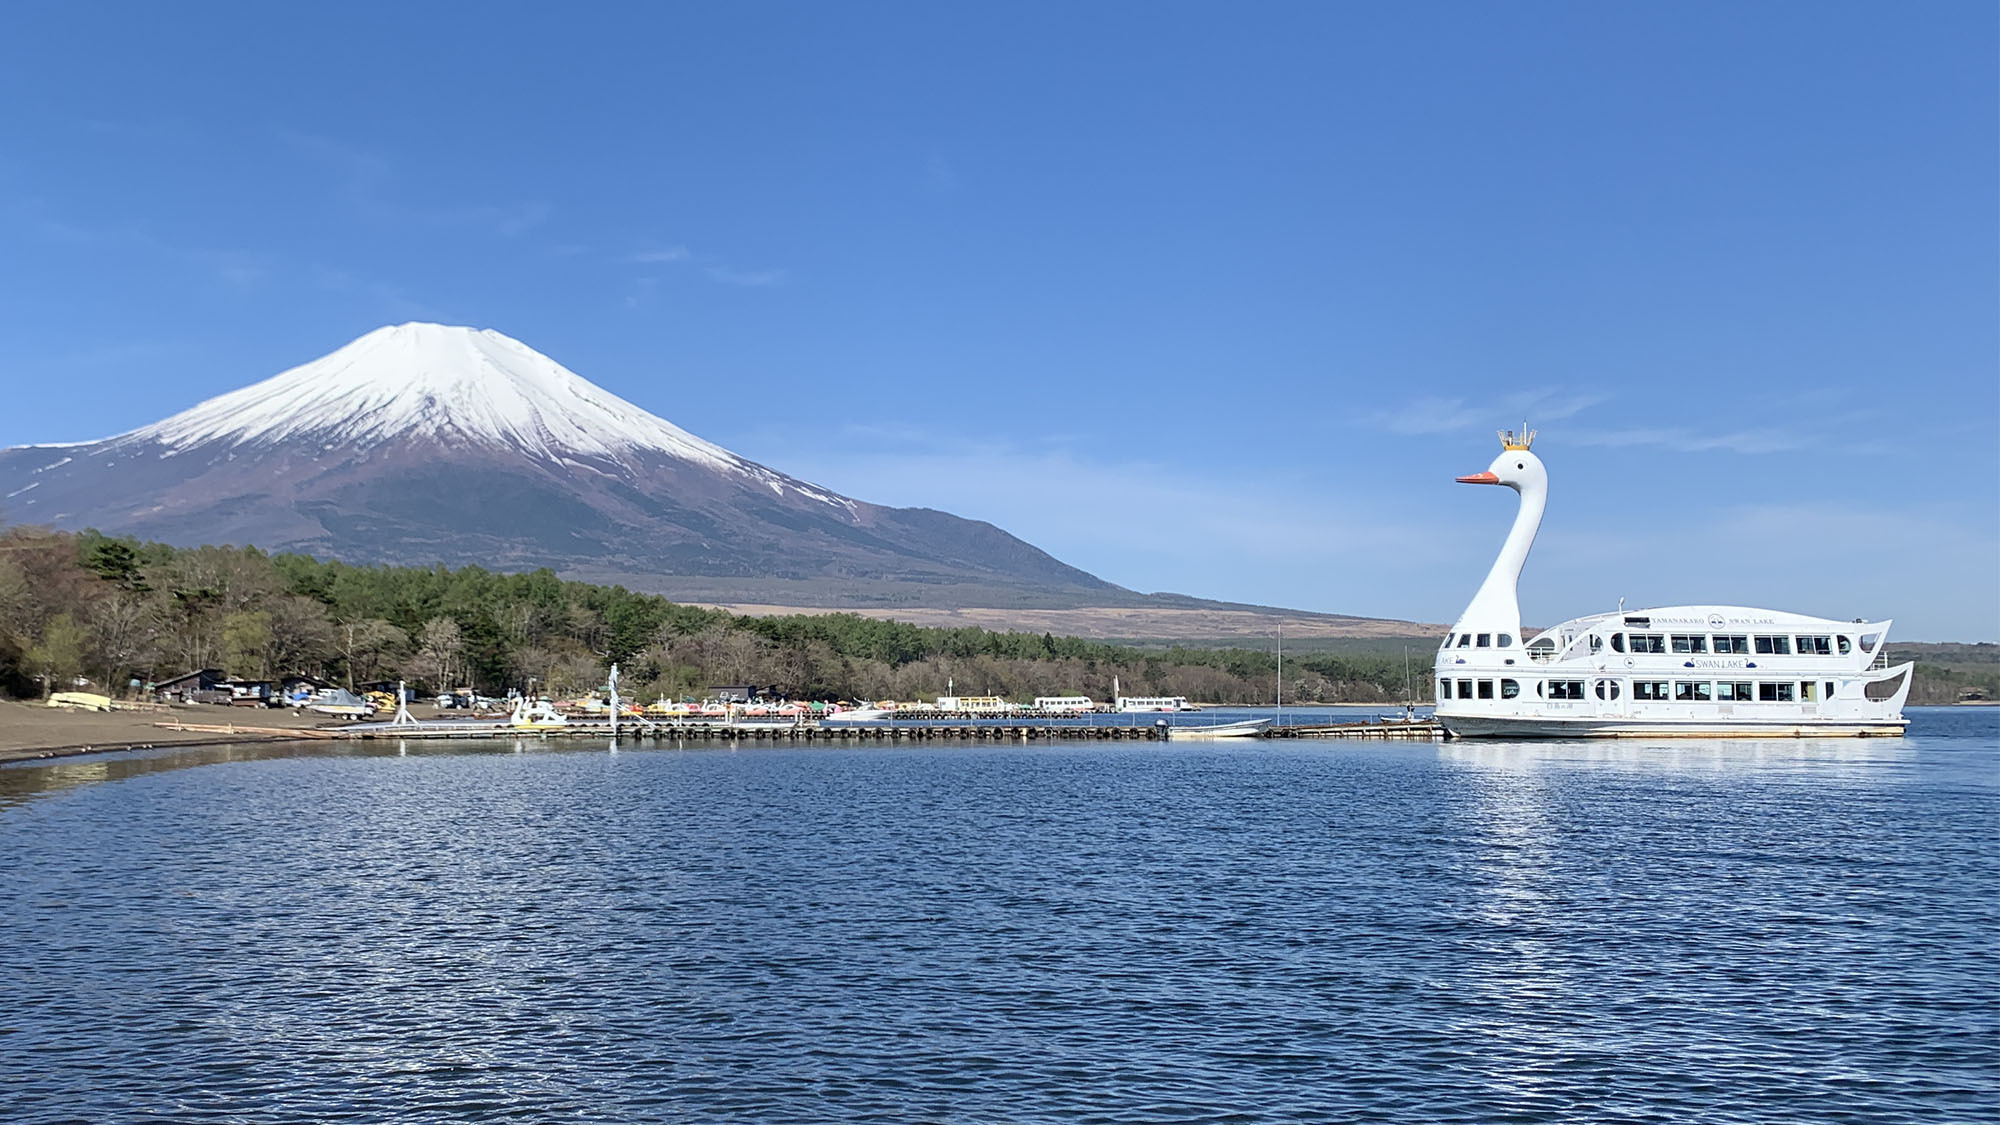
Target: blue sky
[{"x": 1200, "y": 297}]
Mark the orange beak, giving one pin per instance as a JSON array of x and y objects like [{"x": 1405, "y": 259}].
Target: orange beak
[{"x": 1479, "y": 478}]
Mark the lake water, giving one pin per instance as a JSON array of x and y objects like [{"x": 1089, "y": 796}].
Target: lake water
[{"x": 1255, "y": 932}]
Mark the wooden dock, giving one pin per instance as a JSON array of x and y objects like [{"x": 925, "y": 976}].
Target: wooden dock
[
  {"x": 771, "y": 732},
  {"x": 1422, "y": 731}
]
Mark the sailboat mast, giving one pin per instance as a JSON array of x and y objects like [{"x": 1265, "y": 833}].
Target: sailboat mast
[{"x": 1281, "y": 673}]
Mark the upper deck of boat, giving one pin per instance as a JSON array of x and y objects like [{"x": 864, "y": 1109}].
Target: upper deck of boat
[{"x": 1687, "y": 635}]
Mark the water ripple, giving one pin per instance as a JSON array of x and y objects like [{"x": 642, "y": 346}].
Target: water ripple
[{"x": 1727, "y": 933}]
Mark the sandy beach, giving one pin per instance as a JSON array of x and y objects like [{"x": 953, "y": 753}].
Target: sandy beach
[{"x": 35, "y": 730}]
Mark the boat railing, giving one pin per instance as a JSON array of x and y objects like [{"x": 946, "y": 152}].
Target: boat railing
[{"x": 1881, "y": 661}]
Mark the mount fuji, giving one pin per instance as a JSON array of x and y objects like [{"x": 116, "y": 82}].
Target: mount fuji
[{"x": 424, "y": 443}]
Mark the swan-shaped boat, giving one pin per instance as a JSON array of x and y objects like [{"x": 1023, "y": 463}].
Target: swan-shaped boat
[{"x": 1688, "y": 670}]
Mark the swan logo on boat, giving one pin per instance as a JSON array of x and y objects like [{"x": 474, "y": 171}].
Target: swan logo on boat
[{"x": 1716, "y": 621}]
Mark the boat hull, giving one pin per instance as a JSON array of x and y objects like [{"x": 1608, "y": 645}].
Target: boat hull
[
  {"x": 1252, "y": 728},
  {"x": 1500, "y": 726}
]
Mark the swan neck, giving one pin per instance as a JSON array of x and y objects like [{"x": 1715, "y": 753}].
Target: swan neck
[{"x": 1496, "y": 608}]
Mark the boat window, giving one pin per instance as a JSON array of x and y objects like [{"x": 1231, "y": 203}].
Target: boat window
[
  {"x": 1465, "y": 640},
  {"x": 1605, "y": 688},
  {"x": 1565, "y": 689},
  {"x": 1448, "y": 638},
  {"x": 1774, "y": 693},
  {"x": 1845, "y": 644},
  {"x": 1506, "y": 640},
  {"x": 1444, "y": 689},
  {"x": 1814, "y": 646},
  {"x": 1829, "y": 690},
  {"x": 1596, "y": 644},
  {"x": 1732, "y": 645},
  {"x": 1647, "y": 642},
  {"x": 1869, "y": 641},
  {"x": 1737, "y": 691},
  {"x": 1465, "y": 689},
  {"x": 1691, "y": 691},
  {"x": 1510, "y": 689},
  {"x": 1690, "y": 642},
  {"x": 1617, "y": 642},
  {"x": 1486, "y": 689},
  {"x": 1809, "y": 691},
  {"x": 1485, "y": 640},
  {"x": 1540, "y": 688},
  {"x": 1774, "y": 646},
  {"x": 1649, "y": 689}
]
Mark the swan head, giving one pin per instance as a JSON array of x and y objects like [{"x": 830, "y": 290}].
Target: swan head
[{"x": 1516, "y": 467}]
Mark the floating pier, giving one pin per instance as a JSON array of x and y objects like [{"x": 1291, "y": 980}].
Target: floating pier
[
  {"x": 767, "y": 732},
  {"x": 926, "y": 731},
  {"x": 1422, "y": 730}
]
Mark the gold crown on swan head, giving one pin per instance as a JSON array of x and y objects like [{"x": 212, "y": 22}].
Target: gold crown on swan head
[{"x": 1523, "y": 440}]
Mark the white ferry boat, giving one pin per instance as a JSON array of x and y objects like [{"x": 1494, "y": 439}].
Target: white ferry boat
[
  {"x": 1691, "y": 670},
  {"x": 1132, "y": 704}
]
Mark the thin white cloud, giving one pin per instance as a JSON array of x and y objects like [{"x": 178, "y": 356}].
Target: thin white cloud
[
  {"x": 394, "y": 299},
  {"x": 1143, "y": 524},
  {"x": 236, "y": 268},
  {"x": 938, "y": 176},
  {"x": 1865, "y": 556},
  {"x": 1436, "y": 414},
  {"x": 362, "y": 183},
  {"x": 711, "y": 265},
  {"x": 1767, "y": 439},
  {"x": 731, "y": 276}
]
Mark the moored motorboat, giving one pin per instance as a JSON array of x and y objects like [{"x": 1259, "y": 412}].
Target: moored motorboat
[
  {"x": 1673, "y": 671},
  {"x": 1249, "y": 728}
]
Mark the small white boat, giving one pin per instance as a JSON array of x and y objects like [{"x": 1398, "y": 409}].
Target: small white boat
[
  {"x": 339, "y": 703},
  {"x": 1249, "y": 728},
  {"x": 538, "y": 714},
  {"x": 1703, "y": 671},
  {"x": 859, "y": 715}
]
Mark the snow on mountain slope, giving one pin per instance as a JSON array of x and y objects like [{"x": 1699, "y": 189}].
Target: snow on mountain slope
[
  {"x": 442, "y": 382},
  {"x": 423, "y": 444}
]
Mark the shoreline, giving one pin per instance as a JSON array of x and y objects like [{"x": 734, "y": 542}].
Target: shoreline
[{"x": 31, "y": 731}]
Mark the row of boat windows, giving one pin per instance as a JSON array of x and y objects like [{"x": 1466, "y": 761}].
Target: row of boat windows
[
  {"x": 1722, "y": 644},
  {"x": 1731, "y": 644},
  {"x": 1660, "y": 691}
]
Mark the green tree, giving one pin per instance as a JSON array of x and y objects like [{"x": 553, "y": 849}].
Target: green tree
[
  {"x": 115, "y": 561},
  {"x": 57, "y": 657},
  {"x": 246, "y": 644}
]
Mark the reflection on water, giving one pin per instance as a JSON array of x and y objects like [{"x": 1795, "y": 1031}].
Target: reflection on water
[
  {"x": 20, "y": 781},
  {"x": 453, "y": 931},
  {"x": 1824, "y": 758}
]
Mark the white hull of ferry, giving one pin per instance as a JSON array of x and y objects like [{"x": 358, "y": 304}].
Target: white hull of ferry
[
  {"x": 1685, "y": 671},
  {"x": 1553, "y": 727}
]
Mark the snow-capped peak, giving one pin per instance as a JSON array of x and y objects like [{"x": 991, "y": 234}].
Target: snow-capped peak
[{"x": 443, "y": 382}]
